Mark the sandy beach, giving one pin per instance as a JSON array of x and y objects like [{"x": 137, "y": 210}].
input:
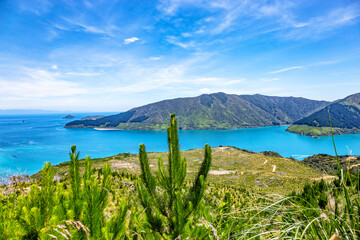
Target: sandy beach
[{"x": 106, "y": 129}]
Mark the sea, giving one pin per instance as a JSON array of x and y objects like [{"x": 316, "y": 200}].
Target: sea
[{"x": 28, "y": 141}]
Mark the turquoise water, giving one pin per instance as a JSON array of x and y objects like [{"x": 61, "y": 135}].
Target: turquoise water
[{"x": 25, "y": 146}]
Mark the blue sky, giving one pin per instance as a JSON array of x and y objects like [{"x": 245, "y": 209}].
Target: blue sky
[{"x": 114, "y": 55}]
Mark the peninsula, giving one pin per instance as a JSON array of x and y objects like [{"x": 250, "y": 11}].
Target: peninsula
[{"x": 345, "y": 119}]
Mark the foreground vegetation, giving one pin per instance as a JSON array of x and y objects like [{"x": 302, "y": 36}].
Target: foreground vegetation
[
  {"x": 324, "y": 163},
  {"x": 182, "y": 198}
]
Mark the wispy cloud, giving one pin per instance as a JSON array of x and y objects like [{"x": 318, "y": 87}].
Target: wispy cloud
[
  {"x": 131, "y": 40},
  {"x": 286, "y": 69},
  {"x": 37, "y": 83},
  {"x": 186, "y": 34},
  {"x": 153, "y": 58},
  {"x": 321, "y": 26},
  {"x": 176, "y": 41},
  {"x": 227, "y": 13},
  {"x": 269, "y": 79},
  {"x": 216, "y": 81},
  {"x": 280, "y": 17},
  {"x": 324, "y": 63},
  {"x": 205, "y": 90},
  {"x": 83, "y": 26},
  {"x": 37, "y": 7},
  {"x": 83, "y": 74}
]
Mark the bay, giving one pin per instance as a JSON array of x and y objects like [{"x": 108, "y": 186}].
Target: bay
[{"x": 27, "y": 141}]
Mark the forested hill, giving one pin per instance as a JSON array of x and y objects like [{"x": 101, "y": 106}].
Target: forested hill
[
  {"x": 345, "y": 118},
  {"x": 210, "y": 111}
]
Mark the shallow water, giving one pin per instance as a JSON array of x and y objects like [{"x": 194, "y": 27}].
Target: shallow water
[{"x": 27, "y": 145}]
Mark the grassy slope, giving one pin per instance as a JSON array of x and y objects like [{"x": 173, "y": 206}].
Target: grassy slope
[{"x": 244, "y": 169}]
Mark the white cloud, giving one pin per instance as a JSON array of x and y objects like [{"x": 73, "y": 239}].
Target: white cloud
[
  {"x": 269, "y": 79},
  {"x": 153, "y": 58},
  {"x": 37, "y": 83},
  {"x": 324, "y": 63},
  {"x": 175, "y": 40},
  {"x": 108, "y": 29},
  {"x": 216, "y": 81},
  {"x": 83, "y": 74},
  {"x": 59, "y": 26},
  {"x": 286, "y": 69},
  {"x": 186, "y": 34},
  {"x": 54, "y": 67},
  {"x": 131, "y": 40},
  {"x": 205, "y": 90}
]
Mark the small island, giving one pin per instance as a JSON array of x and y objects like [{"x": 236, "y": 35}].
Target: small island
[{"x": 69, "y": 117}]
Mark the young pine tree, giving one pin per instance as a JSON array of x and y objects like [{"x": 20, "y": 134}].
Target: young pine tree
[
  {"x": 167, "y": 204},
  {"x": 95, "y": 197},
  {"x": 75, "y": 182},
  {"x": 38, "y": 206}
]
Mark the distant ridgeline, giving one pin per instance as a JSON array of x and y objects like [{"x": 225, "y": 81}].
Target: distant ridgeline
[
  {"x": 345, "y": 118},
  {"x": 210, "y": 111}
]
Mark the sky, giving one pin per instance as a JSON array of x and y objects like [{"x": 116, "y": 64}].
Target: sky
[{"x": 113, "y": 55}]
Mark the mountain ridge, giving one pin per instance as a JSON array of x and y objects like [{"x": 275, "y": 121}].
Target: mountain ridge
[{"x": 210, "y": 111}]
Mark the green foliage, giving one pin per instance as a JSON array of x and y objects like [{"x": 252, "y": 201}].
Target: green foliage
[
  {"x": 116, "y": 227},
  {"x": 51, "y": 211},
  {"x": 37, "y": 207},
  {"x": 47, "y": 192},
  {"x": 315, "y": 195},
  {"x": 325, "y": 163},
  {"x": 95, "y": 197},
  {"x": 168, "y": 201}
]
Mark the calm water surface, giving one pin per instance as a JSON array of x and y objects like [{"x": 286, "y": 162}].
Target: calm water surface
[{"x": 40, "y": 138}]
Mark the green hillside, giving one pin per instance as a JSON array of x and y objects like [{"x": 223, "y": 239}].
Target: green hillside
[
  {"x": 210, "y": 111},
  {"x": 345, "y": 118},
  {"x": 326, "y": 164}
]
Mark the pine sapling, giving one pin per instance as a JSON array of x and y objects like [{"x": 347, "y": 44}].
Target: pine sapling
[
  {"x": 167, "y": 205},
  {"x": 75, "y": 182}
]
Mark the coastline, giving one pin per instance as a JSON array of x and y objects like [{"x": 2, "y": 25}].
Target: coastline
[{"x": 106, "y": 129}]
